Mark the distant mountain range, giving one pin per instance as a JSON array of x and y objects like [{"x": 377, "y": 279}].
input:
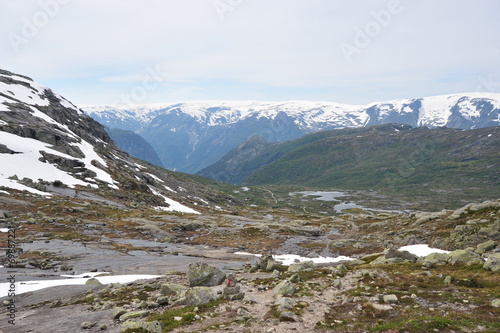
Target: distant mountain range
[
  {"x": 189, "y": 137},
  {"x": 50, "y": 147},
  {"x": 391, "y": 158}
]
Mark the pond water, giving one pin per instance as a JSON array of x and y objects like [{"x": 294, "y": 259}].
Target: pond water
[{"x": 334, "y": 196}]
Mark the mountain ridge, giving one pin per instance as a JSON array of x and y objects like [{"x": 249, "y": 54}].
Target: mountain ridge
[{"x": 191, "y": 136}]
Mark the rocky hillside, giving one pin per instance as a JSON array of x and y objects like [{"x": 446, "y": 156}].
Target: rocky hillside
[
  {"x": 48, "y": 146},
  {"x": 191, "y": 136},
  {"x": 395, "y": 159},
  {"x": 388, "y": 283}
]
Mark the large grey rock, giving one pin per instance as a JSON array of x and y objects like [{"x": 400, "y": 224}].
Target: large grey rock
[
  {"x": 149, "y": 327},
  {"x": 493, "y": 262},
  {"x": 390, "y": 299},
  {"x": 464, "y": 257},
  {"x": 134, "y": 314},
  {"x": 301, "y": 266},
  {"x": 171, "y": 289},
  {"x": 88, "y": 325},
  {"x": 199, "y": 296},
  {"x": 284, "y": 288},
  {"x": 486, "y": 246},
  {"x": 201, "y": 274},
  {"x": 285, "y": 303},
  {"x": 434, "y": 259},
  {"x": 118, "y": 312},
  {"x": 404, "y": 255}
]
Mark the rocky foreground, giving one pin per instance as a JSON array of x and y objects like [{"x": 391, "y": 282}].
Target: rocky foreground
[{"x": 382, "y": 290}]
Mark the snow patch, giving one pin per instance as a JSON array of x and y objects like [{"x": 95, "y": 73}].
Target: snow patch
[
  {"x": 30, "y": 286},
  {"x": 174, "y": 206},
  {"x": 421, "y": 250},
  {"x": 288, "y": 259}
]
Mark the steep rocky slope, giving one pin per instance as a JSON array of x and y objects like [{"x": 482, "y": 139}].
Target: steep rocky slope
[{"x": 48, "y": 145}]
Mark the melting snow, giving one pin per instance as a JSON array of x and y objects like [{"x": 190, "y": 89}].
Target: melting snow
[
  {"x": 27, "y": 286},
  {"x": 421, "y": 250},
  {"x": 288, "y": 259},
  {"x": 174, "y": 206}
]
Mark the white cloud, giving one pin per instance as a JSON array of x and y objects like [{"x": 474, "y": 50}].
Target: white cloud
[{"x": 92, "y": 50}]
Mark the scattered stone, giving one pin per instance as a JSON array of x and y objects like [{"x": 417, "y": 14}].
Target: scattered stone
[
  {"x": 390, "y": 299},
  {"x": 203, "y": 275},
  {"x": 162, "y": 300},
  {"x": 448, "y": 280},
  {"x": 285, "y": 303},
  {"x": 289, "y": 316},
  {"x": 486, "y": 246},
  {"x": 244, "y": 313},
  {"x": 231, "y": 290},
  {"x": 93, "y": 281},
  {"x": 170, "y": 289},
  {"x": 134, "y": 314},
  {"x": 117, "y": 312},
  {"x": 493, "y": 262},
  {"x": 148, "y": 327},
  {"x": 301, "y": 266},
  {"x": 381, "y": 307},
  {"x": 284, "y": 288},
  {"x": 434, "y": 259},
  {"x": 464, "y": 257},
  {"x": 87, "y": 325},
  {"x": 199, "y": 296}
]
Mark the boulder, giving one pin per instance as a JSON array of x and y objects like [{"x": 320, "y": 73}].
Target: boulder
[
  {"x": 434, "y": 259},
  {"x": 404, "y": 255},
  {"x": 493, "y": 262},
  {"x": 390, "y": 299},
  {"x": 203, "y": 275},
  {"x": 486, "y": 246},
  {"x": 284, "y": 288},
  {"x": 149, "y": 327},
  {"x": 170, "y": 289},
  {"x": 118, "y": 312},
  {"x": 464, "y": 257},
  {"x": 285, "y": 303},
  {"x": 267, "y": 263},
  {"x": 289, "y": 316},
  {"x": 134, "y": 314},
  {"x": 87, "y": 325},
  {"x": 301, "y": 266},
  {"x": 199, "y": 296},
  {"x": 92, "y": 281},
  {"x": 495, "y": 303}
]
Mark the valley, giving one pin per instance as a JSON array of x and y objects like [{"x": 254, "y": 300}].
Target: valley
[
  {"x": 71, "y": 236},
  {"x": 104, "y": 241}
]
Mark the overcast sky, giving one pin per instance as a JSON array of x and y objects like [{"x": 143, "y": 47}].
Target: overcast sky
[{"x": 152, "y": 51}]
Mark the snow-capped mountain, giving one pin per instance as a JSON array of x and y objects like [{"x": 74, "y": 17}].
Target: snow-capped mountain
[
  {"x": 50, "y": 147},
  {"x": 190, "y": 136}
]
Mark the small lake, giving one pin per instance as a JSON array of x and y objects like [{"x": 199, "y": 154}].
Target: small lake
[{"x": 334, "y": 196}]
